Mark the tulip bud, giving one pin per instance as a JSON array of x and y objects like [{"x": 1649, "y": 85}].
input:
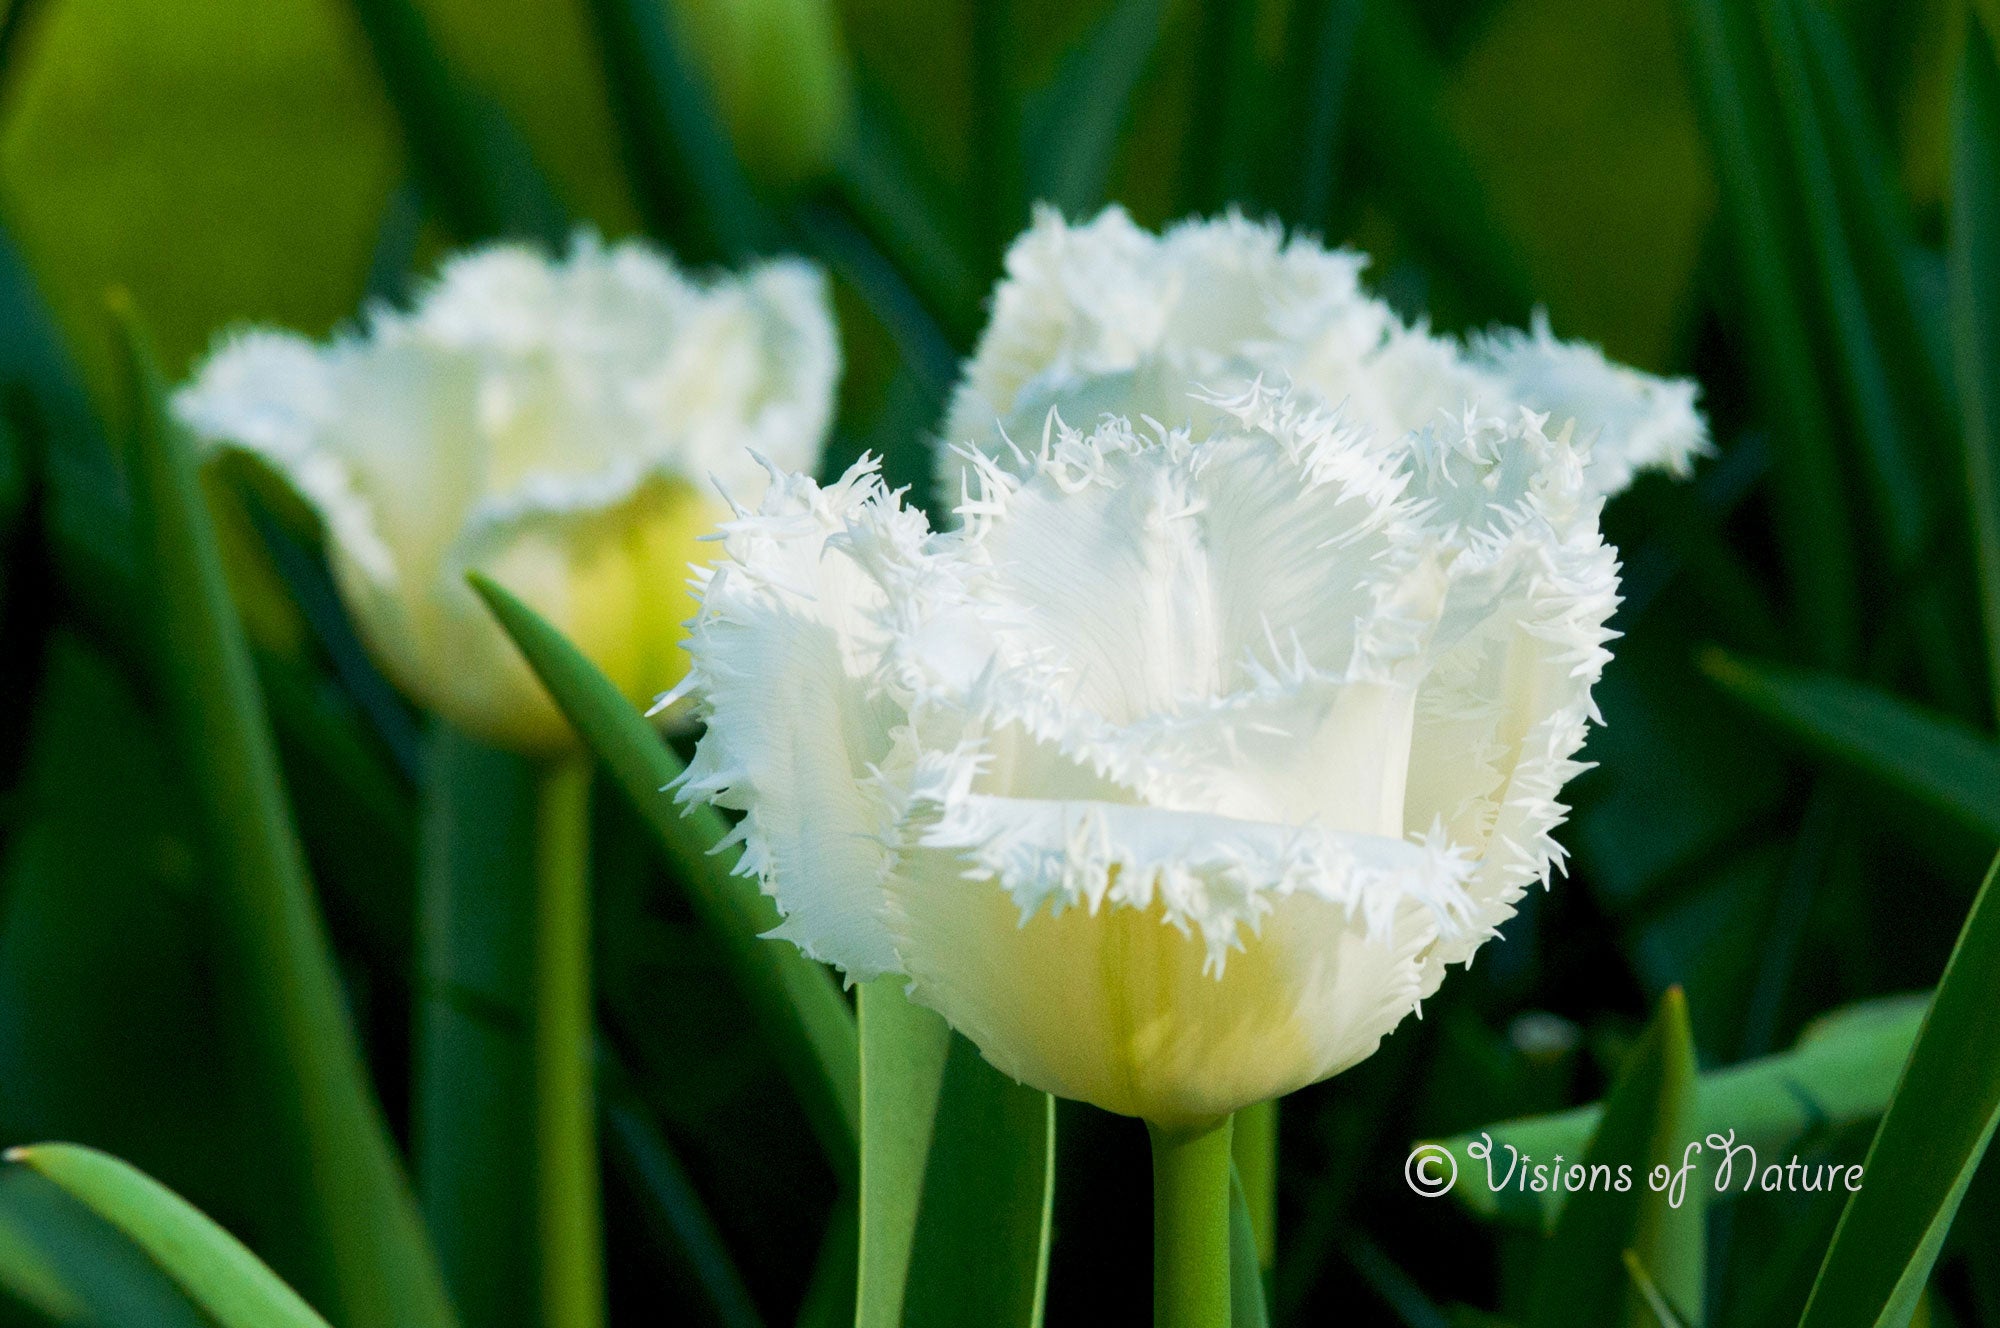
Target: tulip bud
[
  {"x": 553, "y": 425},
  {"x": 1179, "y": 772}
]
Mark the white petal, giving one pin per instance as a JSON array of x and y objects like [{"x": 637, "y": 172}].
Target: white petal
[
  {"x": 1121, "y": 1009},
  {"x": 797, "y": 736},
  {"x": 1633, "y": 421}
]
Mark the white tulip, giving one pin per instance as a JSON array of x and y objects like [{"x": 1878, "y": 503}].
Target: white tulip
[
  {"x": 1176, "y": 776},
  {"x": 555, "y": 425},
  {"x": 1104, "y": 316}
]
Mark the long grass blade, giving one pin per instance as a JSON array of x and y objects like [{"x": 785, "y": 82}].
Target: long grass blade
[
  {"x": 981, "y": 1255},
  {"x": 381, "y": 1270},
  {"x": 684, "y": 168},
  {"x": 1928, "y": 1147},
  {"x": 472, "y": 1067},
  {"x": 1975, "y": 313}
]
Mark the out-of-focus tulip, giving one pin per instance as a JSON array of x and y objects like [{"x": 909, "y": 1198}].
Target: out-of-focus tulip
[{"x": 555, "y": 425}]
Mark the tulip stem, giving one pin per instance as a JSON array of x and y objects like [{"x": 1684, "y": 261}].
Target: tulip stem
[
  {"x": 572, "y": 1292},
  {"x": 1191, "y": 1169}
]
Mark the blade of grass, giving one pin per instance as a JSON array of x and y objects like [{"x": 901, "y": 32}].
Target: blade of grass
[
  {"x": 1648, "y": 1118},
  {"x": 684, "y": 168},
  {"x": 1841, "y": 1072},
  {"x": 472, "y": 1072},
  {"x": 829, "y": 1298},
  {"x": 1656, "y": 1303},
  {"x": 1975, "y": 312},
  {"x": 224, "y": 1278},
  {"x": 381, "y": 1270},
  {"x": 981, "y": 1255},
  {"x": 1391, "y": 1285},
  {"x": 1939, "y": 762},
  {"x": 1808, "y": 498},
  {"x": 1072, "y": 127},
  {"x": 1929, "y": 1145},
  {"x": 794, "y": 1001},
  {"x": 472, "y": 164}
]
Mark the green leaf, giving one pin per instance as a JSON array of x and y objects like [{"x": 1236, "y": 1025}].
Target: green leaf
[
  {"x": 72, "y": 1266},
  {"x": 1071, "y": 128},
  {"x": 794, "y": 1001},
  {"x": 1929, "y": 1145},
  {"x": 1648, "y": 1119},
  {"x": 1975, "y": 308},
  {"x": 903, "y": 1053},
  {"x": 1842, "y": 1071},
  {"x": 472, "y": 1071},
  {"x": 1939, "y": 762},
  {"x": 982, "y": 1247},
  {"x": 352, "y": 1189},
  {"x": 212, "y": 1266},
  {"x": 1809, "y": 498}
]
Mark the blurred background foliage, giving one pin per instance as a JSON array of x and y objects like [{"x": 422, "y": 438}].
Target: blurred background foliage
[{"x": 1756, "y": 194}]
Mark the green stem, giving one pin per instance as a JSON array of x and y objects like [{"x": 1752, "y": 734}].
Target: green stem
[
  {"x": 565, "y": 1111},
  {"x": 1191, "y": 1226},
  {"x": 1254, "y": 1144}
]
